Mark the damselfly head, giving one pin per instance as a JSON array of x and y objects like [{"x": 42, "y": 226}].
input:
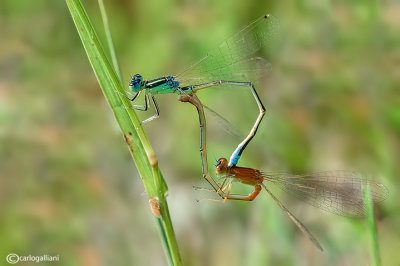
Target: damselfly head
[
  {"x": 222, "y": 166},
  {"x": 136, "y": 83}
]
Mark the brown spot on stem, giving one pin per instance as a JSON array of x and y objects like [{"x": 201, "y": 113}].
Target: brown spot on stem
[
  {"x": 153, "y": 160},
  {"x": 126, "y": 139},
  {"x": 155, "y": 207}
]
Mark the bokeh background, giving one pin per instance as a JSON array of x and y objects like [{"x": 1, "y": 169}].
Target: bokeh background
[{"x": 68, "y": 185}]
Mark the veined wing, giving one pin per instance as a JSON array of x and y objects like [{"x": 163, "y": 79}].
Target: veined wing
[
  {"x": 251, "y": 69},
  {"x": 235, "y": 59},
  {"x": 338, "y": 192},
  {"x": 224, "y": 123}
]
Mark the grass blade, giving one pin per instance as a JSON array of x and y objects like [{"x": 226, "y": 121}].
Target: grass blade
[
  {"x": 369, "y": 207},
  {"x": 133, "y": 133},
  {"x": 110, "y": 43}
]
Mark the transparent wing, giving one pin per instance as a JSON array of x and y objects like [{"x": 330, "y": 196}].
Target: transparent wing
[
  {"x": 222, "y": 122},
  {"x": 235, "y": 59},
  {"x": 338, "y": 192}
]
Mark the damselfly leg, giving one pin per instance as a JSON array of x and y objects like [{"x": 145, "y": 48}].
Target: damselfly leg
[
  {"x": 146, "y": 105},
  {"x": 156, "y": 115}
]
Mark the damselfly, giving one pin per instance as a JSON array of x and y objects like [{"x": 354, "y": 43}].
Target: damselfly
[
  {"x": 231, "y": 64},
  {"x": 338, "y": 192}
]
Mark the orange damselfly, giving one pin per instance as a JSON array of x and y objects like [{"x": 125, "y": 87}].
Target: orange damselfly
[{"x": 338, "y": 192}]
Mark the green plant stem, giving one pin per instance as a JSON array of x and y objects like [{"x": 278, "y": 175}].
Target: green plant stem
[
  {"x": 369, "y": 207},
  {"x": 110, "y": 43},
  {"x": 134, "y": 135}
]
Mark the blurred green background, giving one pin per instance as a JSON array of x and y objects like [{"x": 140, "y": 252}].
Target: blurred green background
[{"x": 68, "y": 185}]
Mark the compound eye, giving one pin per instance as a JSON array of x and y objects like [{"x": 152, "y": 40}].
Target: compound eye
[
  {"x": 136, "y": 81},
  {"x": 133, "y": 81},
  {"x": 138, "y": 78},
  {"x": 222, "y": 162}
]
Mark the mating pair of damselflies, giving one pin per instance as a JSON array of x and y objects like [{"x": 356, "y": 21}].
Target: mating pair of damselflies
[{"x": 232, "y": 64}]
